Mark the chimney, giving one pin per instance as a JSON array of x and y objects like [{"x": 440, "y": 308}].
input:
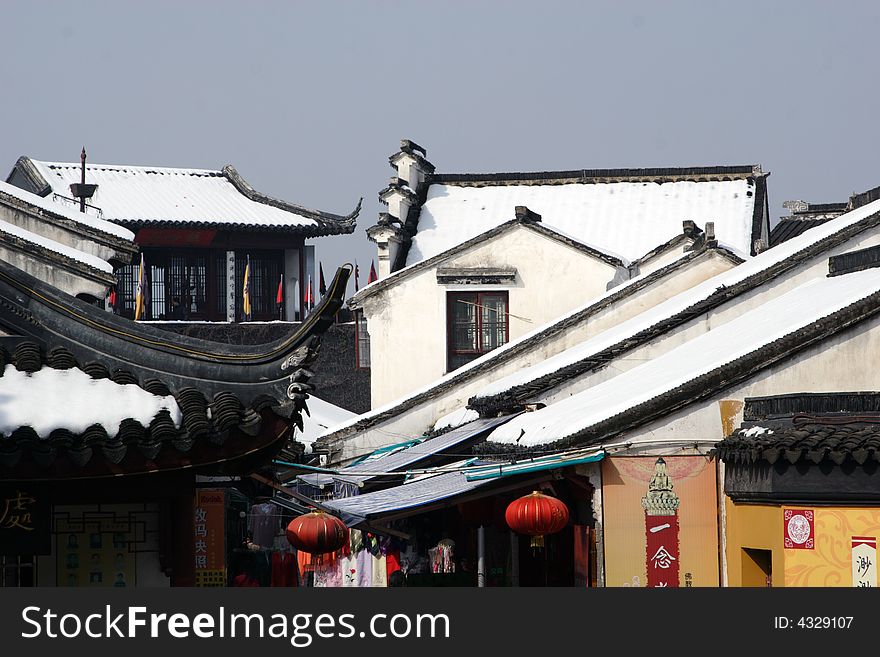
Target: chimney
[
  {"x": 711, "y": 242},
  {"x": 524, "y": 214},
  {"x": 411, "y": 164}
]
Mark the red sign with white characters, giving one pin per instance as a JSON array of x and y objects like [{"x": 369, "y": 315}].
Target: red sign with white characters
[
  {"x": 798, "y": 528},
  {"x": 662, "y": 553}
]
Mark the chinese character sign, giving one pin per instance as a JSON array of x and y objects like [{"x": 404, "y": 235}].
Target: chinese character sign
[
  {"x": 662, "y": 550},
  {"x": 799, "y": 529},
  {"x": 209, "y": 538},
  {"x": 24, "y": 521},
  {"x": 864, "y": 561},
  {"x": 660, "y": 521}
]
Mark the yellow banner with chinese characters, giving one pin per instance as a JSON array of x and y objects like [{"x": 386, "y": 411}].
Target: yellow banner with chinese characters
[{"x": 629, "y": 531}]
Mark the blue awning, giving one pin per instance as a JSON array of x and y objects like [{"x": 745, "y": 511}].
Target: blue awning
[
  {"x": 399, "y": 461},
  {"x": 436, "y": 488}
]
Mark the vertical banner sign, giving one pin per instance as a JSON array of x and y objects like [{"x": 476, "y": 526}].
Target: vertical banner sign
[
  {"x": 209, "y": 536},
  {"x": 661, "y": 529},
  {"x": 661, "y": 521},
  {"x": 799, "y": 529},
  {"x": 864, "y": 561}
]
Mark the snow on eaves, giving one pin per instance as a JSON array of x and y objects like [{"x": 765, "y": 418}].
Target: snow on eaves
[
  {"x": 66, "y": 212},
  {"x": 487, "y": 360},
  {"x": 51, "y": 399},
  {"x": 677, "y": 304},
  {"x": 626, "y": 218},
  {"x": 321, "y": 415},
  {"x": 456, "y": 418},
  {"x": 139, "y": 193},
  {"x": 56, "y": 247},
  {"x": 772, "y": 321}
]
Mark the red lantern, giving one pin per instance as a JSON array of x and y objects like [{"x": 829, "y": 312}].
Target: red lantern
[
  {"x": 317, "y": 533},
  {"x": 535, "y": 515}
]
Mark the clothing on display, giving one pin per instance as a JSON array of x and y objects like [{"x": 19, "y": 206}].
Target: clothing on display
[{"x": 264, "y": 523}]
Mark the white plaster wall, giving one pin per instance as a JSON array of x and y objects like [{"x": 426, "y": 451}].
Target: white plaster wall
[
  {"x": 838, "y": 364},
  {"x": 663, "y": 258},
  {"x": 64, "y": 280},
  {"x": 57, "y": 232},
  {"x": 415, "y": 421},
  {"x": 407, "y": 322},
  {"x": 815, "y": 267}
]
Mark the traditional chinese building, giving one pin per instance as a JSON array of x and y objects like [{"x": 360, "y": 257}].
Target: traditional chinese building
[
  {"x": 802, "y": 501},
  {"x": 108, "y": 423},
  {"x": 196, "y": 229}
]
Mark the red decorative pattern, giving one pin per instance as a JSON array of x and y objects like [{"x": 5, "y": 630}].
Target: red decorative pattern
[
  {"x": 798, "y": 527},
  {"x": 317, "y": 533}
]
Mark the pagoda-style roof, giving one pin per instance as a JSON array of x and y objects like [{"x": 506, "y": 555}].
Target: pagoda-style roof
[
  {"x": 143, "y": 196},
  {"x": 197, "y": 403}
]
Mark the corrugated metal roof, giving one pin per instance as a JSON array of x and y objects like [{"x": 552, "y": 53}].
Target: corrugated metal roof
[
  {"x": 407, "y": 496},
  {"x": 400, "y": 461},
  {"x": 431, "y": 489},
  {"x": 161, "y": 194}
]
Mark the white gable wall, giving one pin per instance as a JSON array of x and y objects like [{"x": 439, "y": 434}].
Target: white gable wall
[
  {"x": 415, "y": 421},
  {"x": 407, "y": 322}
]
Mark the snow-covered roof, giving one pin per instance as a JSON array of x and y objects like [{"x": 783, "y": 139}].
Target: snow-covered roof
[
  {"x": 738, "y": 338},
  {"x": 671, "y": 307},
  {"x": 56, "y": 247},
  {"x": 65, "y": 212},
  {"x": 146, "y": 195},
  {"x": 626, "y": 218},
  {"x": 502, "y": 352},
  {"x": 321, "y": 415},
  {"x": 51, "y": 399}
]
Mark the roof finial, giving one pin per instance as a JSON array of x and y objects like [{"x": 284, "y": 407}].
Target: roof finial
[{"x": 82, "y": 199}]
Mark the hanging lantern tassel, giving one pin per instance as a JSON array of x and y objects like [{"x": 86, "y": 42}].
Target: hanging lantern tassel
[{"x": 536, "y": 515}]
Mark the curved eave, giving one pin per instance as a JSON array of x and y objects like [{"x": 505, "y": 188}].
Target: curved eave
[
  {"x": 323, "y": 218},
  {"x": 32, "y": 309},
  {"x": 239, "y": 454}
]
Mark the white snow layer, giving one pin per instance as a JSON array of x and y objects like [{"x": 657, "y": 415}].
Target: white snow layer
[
  {"x": 676, "y": 304},
  {"x": 57, "y": 247},
  {"x": 485, "y": 358},
  {"x": 644, "y": 320},
  {"x": 138, "y": 193},
  {"x": 322, "y": 415},
  {"x": 66, "y": 211},
  {"x": 456, "y": 418},
  {"x": 771, "y": 321},
  {"x": 52, "y": 399},
  {"x": 626, "y": 218},
  {"x": 756, "y": 431}
]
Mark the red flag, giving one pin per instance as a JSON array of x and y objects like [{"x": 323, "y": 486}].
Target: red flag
[
  {"x": 357, "y": 275},
  {"x": 372, "y": 277},
  {"x": 279, "y": 297},
  {"x": 112, "y": 297},
  {"x": 322, "y": 287}
]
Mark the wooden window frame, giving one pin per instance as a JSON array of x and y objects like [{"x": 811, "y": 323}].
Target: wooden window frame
[{"x": 476, "y": 298}]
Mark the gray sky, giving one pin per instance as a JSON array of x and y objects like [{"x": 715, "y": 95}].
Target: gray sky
[{"x": 308, "y": 99}]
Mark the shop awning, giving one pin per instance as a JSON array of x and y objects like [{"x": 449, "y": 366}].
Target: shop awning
[
  {"x": 426, "y": 491},
  {"x": 399, "y": 461}
]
